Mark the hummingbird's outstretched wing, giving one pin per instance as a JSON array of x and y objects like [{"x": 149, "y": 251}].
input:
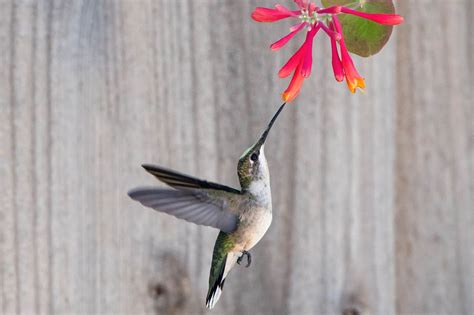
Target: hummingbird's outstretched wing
[
  {"x": 182, "y": 181},
  {"x": 195, "y": 206},
  {"x": 194, "y": 200}
]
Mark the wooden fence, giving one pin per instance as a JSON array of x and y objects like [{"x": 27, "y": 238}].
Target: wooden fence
[{"x": 373, "y": 193}]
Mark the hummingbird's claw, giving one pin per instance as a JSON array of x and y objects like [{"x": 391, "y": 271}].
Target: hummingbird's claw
[{"x": 249, "y": 258}]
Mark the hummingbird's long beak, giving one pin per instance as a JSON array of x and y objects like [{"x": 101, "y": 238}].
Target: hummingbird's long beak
[{"x": 262, "y": 139}]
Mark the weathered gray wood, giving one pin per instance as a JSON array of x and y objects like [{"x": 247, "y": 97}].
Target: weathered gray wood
[
  {"x": 373, "y": 193},
  {"x": 434, "y": 164}
]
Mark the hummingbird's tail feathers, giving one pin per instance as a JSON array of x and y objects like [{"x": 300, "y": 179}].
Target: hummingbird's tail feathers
[
  {"x": 187, "y": 205},
  {"x": 223, "y": 260},
  {"x": 215, "y": 290},
  {"x": 181, "y": 181}
]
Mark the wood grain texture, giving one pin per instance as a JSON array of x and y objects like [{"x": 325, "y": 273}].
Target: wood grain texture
[
  {"x": 435, "y": 155},
  {"x": 373, "y": 194}
]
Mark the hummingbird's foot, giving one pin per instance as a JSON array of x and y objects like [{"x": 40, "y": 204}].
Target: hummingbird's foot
[{"x": 249, "y": 258}]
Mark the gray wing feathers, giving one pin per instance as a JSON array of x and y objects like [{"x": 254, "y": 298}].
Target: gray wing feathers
[
  {"x": 186, "y": 205},
  {"x": 183, "y": 181}
]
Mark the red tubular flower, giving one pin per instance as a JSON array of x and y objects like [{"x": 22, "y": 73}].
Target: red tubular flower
[
  {"x": 282, "y": 42},
  {"x": 301, "y": 63},
  {"x": 308, "y": 55},
  {"x": 336, "y": 61},
  {"x": 292, "y": 63},
  {"x": 314, "y": 18},
  {"x": 331, "y": 33},
  {"x": 353, "y": 78},
  {"x": 272, "y": 15},
  {"x": 331, "y": 10},
  {"x": 294, "y": 88},
  {"x": 385, "y": 19}
]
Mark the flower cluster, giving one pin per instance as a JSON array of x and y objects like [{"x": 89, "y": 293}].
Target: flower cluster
[{"x": 313, "y": 19}]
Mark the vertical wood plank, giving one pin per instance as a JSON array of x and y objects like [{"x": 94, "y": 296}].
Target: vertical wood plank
[
  {"x": 434, "y": 160},
  {"x": 8, "y": 267}
]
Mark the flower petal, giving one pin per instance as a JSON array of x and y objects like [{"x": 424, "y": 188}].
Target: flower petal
[
  {"x": 307, "y": 61},
  {"x": 386, "y": 19},
  {"x": 296, "y": 26},
  {"x": 351, "y": 84},
  {"x": 268, "y": 15},
  {"x": 330, "y": 10},
  {"x": 331, "y": 33},
  {"x": 308, "y": 53},
  {"x": 295, "y": 86},
  {"x": 284, "y": 10},
  {"x": 336, "y": 25},
  {"x": 282, "y": 42},
  {"x": 353, "y": 78},
  {"x": 347, "y": 63},
  {"x": 354, "y": 84},
  {"x": 292, "y": 63},
  {"x": 336, "y": 61},
  {"x": 302, "y": 4}
]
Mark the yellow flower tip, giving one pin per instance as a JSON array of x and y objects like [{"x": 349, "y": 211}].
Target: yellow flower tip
[
  {"x": 361, "y": 84},
  {"x": 352, "y": 86},
  {"x": 289, "y": 96}
]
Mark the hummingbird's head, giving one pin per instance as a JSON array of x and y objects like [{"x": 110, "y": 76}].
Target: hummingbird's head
[{"x": 252, "y": 166}]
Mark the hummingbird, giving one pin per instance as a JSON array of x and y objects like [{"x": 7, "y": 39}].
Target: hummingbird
[{"x": 242, "y": 216}]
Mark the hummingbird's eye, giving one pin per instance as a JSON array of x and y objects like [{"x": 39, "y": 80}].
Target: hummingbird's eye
[{"x": 254, "y": 157}]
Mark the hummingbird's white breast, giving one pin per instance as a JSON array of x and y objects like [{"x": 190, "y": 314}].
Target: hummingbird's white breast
[
  {"x": 260, "y": 190},
  {"x": 252, "y": 227},
  {"x": 255, "y": 215}
]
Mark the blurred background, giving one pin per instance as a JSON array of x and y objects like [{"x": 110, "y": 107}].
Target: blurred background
[{"x": 373, "y": 193}]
